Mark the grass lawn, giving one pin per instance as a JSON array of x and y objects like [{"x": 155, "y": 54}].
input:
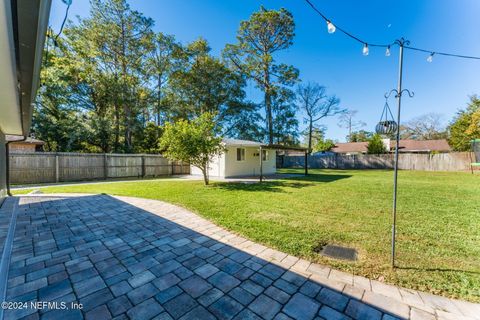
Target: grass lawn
[{"x": 438, "y": 248}]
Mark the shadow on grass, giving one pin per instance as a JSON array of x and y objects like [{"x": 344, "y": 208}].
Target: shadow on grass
[
  {"x": 279, "y": 185},
  {"x": 319, "y": 177},
  {"x": 437, "y": 270}
]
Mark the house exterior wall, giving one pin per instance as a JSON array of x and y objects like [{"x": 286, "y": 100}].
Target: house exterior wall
[
  {"x": 216, "y": 168},
  {"x": 18, "y": 147},
  {"x": 3, "y": 169},
  {"x": 251, "y": 165},
  {"x": 227, "y": 166}
]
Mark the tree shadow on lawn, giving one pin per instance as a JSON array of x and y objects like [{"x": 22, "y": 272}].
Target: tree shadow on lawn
[
  {"x": 319, "y": 177},
  {"x": 280, "y": 184},
  {"x": 426, "y": 269}
]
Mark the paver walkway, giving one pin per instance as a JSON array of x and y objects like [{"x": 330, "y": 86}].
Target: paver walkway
[{"x": 140, "y": 259}]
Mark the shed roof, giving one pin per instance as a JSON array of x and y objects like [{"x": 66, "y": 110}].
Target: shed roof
[
  {"x": 249, "y": 143},
  {"x": 241, "y": 143},
  {"x": 19, "y": 139}
]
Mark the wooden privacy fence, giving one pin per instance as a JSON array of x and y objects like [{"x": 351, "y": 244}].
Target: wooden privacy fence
[
  {"x": 44, "y": 167},
  {"x": 454, "y": 161}
]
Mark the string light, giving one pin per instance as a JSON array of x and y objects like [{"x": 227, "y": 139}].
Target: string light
[
  {"x": 330, "y": 27},
  {"x": 430, "y": 57},
  {"x": 365, "y": 50},
  {"x": 333, "y": 27}
]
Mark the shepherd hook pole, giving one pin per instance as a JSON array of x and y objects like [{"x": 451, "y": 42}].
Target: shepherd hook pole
[{"x": 401, "y": 43}]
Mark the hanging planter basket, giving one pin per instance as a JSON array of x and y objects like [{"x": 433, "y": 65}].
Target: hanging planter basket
[{"x": 386, "y": 125}]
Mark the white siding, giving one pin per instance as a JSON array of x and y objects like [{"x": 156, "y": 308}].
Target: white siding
[
  {"x": 251, "y": 165},
  {"x": 226, "y": 165},
  {"x": 215, "y": 169}
]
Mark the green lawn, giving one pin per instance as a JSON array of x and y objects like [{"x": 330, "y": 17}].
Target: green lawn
[{"x": 438, "y": 247}]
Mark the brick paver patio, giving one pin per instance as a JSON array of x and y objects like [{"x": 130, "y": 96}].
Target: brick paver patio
[{"x": 129, "y": 258}]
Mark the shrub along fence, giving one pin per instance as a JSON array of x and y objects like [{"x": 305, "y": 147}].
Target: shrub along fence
[
  {"x": 44, "y": 167},
  {"x": 454, "y": 161}
]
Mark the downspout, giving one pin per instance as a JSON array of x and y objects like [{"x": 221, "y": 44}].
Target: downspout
[{"x": 7, "y": 163}]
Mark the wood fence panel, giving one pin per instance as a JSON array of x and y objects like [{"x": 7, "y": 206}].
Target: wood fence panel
[
  {"x": 46, "y": 167},
  {"x": 124, "y": 166},
  {"x": 157, "y": 166},
  {"x": 77, "y": 166},
  {"x": 454, "y": 161},
  {"x": 26, "y": 167},
  {"x": 179, "y": 168}
]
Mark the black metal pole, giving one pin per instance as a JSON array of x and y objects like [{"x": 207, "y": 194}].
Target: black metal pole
[
  {"x": 306, "y": 162},
  {"x": 395, "y": 174},
  {"x": 261, "y": 164}
]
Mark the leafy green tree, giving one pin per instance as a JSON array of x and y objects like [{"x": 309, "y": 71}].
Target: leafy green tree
[
  {"x": 246, "y": 124},
  {"x": 164, "y": 58},
  {"x": 205, "y": 84},
  {"x": 58, "y": 127},
  {"x": 285, "y": 123},
  {"x": 258, "y": 39},
  {"x": 376, "y": 145},
  {"x": 323, "y": 146},
  {"x": 55, "y": 120},
  {"x": 193, "y": 141},
  {"x": 108, "y": 76},
  {"x": 149, "y": 141},
  {"x": 99, "y": 133},
  {"x": 465, "y": 126},
  {"x": 313, "y": 99},
  {"x": 474, "y": 127},
  {"x": 360, "y": 136},
  {"x": 318, "y": 134},
  {"x": 119, "y": 38}
]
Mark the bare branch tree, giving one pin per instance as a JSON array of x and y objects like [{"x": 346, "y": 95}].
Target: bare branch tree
[
  {"x": 347, "y": 120},
  {"x": 313, "y": 99},
  {"x": 425, "y": 127}
]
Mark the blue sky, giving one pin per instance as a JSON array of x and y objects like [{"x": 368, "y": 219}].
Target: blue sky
[{"x": 336, "y": 61}]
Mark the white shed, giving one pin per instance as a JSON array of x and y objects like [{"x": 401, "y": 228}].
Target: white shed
[{"x": 241, "y": 158}]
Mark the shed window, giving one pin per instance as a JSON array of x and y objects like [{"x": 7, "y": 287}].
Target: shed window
[
  {"x": 264, "y": 155},
  {"x": 240, "y": 154}
]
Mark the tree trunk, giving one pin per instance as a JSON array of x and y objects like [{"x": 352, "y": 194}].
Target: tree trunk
[
  {"x": 310, "y": 131},
  {"x": 349, "y": 127},
  {"x": 127, "y": 133},
  {"x": 159, "y": 99},
  {"x": 205, "y": 176},
  {"x": 117, "y": 128},
  {"x": 126, "y": 94},
  {"x": 268, "y": 102},
  {"x": 268, "y": 111}
]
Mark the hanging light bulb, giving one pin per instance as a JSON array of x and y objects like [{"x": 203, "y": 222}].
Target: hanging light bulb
[
  {"x": 330, "y": 27},
  {"x": 387, "y": 52},
  {"x": 365, "y": 50},
  {"x": 430, "y": 57}
]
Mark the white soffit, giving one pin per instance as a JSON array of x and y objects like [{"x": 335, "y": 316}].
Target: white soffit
[{"x": 10, "y": 114}]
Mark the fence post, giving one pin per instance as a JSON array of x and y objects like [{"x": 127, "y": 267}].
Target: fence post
[
  {"x": 143, "y": 166},
  {"x": 57, "y": 171},
  {"x": 105, "y": 166}
]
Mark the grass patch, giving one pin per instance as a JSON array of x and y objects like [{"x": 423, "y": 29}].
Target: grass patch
[{"x": 438, "y": 248}]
